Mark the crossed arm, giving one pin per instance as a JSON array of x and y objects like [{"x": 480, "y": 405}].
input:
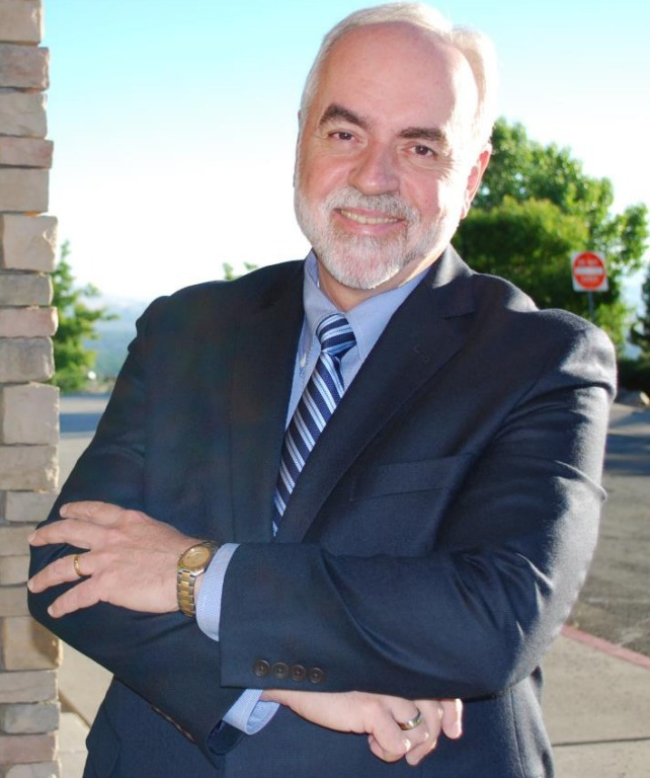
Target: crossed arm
[{"x": 129, "y": 561}]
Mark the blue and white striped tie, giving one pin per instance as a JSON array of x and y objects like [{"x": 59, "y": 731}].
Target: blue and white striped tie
[{"x": 318, "y": 402}]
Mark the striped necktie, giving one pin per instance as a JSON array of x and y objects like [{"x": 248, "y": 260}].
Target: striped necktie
[{"x": 318, "y": 402}]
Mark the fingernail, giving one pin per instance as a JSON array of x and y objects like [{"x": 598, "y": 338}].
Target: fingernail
[
  {"x": 407, "y": 745},
  {"x": 30, "y": 585},
  {"x": 31, "y": 537},
  {"x": 63, "y": 510},
  {"x": 50, "y": 612}
]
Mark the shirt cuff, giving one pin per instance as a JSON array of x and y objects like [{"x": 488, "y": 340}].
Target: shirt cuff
[
  {"x": 208, "y": 604},
  {"x": 250, "y": 714}
]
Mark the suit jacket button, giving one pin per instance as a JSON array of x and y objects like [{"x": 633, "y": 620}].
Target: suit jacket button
[
  {"x": 298, "y": 673},
  {"x": 261, "y": 668},
  {"x": 315, "y": 675},
  {"x": 280, "y": 671}
]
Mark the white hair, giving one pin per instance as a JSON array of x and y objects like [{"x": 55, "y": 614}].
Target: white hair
[{"x": 476, "y": 47}]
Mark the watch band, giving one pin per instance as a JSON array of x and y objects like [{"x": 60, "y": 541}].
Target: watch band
[{"x": 191, "y": 564}]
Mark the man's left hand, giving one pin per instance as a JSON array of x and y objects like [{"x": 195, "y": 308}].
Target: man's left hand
[
  {"x": 131, "y": 559},
  {"x": 378, "y": 715}
]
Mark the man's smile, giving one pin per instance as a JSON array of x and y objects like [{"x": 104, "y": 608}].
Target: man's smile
[{"x": 362, "y": 218}]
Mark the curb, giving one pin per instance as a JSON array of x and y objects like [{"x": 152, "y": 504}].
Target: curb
[{"x": 617, "y": 652}]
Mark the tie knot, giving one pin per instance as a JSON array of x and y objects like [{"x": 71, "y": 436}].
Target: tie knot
[{"x": 335, "y": 335}]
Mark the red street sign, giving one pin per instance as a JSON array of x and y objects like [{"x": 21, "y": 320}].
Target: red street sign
[{"x": 589, "y": 271}]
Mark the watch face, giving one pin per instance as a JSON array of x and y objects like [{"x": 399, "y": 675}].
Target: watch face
[{"x": 197, "y": 557}]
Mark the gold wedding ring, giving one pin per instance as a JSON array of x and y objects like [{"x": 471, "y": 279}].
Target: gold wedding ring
[
  {"x": 77, "y": 568},
  {"x": 411, "y": 723}
]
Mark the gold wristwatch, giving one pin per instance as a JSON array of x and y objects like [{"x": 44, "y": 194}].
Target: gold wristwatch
[{"x": 191, "y": 564}]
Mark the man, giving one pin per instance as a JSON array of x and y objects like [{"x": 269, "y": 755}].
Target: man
[{"x": 398, "y": 459}]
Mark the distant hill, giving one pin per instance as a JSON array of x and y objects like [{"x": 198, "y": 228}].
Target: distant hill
[{"x": 114, "y": 336}]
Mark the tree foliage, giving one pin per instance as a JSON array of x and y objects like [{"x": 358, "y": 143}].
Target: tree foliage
[
  {"x": 534, "y": 207},
  {"x": 640, "y": 332},
  {"x": 230, "y": 274},
  {"x": 77, "y": 323}
]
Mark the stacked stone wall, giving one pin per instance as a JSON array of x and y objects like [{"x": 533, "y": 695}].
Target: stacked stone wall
[{"x": 29, "y": 408}]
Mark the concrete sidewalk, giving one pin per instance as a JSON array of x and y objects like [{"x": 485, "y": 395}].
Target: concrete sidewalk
[{"x": 597, "y": 707}]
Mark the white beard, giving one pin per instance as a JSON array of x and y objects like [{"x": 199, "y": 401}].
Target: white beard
[{"x": 365, "y": 261}]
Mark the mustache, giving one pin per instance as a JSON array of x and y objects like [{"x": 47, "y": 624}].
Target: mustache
[{"x": 389, "y": 204}]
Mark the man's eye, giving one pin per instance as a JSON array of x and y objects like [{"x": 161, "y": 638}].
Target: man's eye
[
  {"x": 424, "y": 151},
  {"x": 341, "y": 135}
]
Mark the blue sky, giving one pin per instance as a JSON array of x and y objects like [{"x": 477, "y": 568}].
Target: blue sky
[{"x": 174, "y": 120}]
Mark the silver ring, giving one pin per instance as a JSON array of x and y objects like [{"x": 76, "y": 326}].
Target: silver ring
[
  {"x": 411, "y": 723},
  {"x": 77, "y": 568}
]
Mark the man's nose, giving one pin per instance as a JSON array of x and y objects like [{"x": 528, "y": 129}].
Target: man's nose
[{"x": 375, "y": 171}]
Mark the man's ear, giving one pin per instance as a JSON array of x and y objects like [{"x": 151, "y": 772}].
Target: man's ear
[{"x": 474, "y": 179}]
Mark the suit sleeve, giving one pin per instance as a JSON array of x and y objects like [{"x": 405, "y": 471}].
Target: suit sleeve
[
  {"x": 164, "y": 658},
  {"x": 474, "y": 614}
]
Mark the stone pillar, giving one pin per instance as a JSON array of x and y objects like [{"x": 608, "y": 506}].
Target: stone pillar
[{"x": 29, "y": 413}]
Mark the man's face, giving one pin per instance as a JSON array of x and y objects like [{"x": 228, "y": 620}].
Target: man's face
[{"x": 387, "y": 164}]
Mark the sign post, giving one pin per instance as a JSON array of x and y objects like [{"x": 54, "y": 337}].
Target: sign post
[{"x": 589, "y": 274}]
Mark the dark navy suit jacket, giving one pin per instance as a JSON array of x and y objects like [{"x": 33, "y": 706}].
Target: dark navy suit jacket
[{"x": 433, "y": 546}]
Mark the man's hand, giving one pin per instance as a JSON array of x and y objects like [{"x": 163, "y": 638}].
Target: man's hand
[
  {"x": 379, "y": 716},
  {"x": 131, "y": 559}
]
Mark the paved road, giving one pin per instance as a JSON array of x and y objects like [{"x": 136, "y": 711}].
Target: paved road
[
  {"x": 79, "y": 415},
  {"x": 615, "y": 602}
]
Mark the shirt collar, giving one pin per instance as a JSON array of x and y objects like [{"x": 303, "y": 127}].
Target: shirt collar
[{"x": 367, "y": 320}]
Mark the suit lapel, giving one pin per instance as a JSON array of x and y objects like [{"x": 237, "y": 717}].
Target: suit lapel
[
  {"x": 422, "y": 336},
  {"x": 263, "y": 372}
]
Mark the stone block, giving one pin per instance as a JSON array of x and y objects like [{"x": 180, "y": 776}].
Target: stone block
[
  {"x": 26, "y": 359},
  {"x": 41, "y": 770},
  {"x": 13, "y": 601},
  {"x": 29, "y": 413},
  {"x": 26, "y": 152},
  {"x": 23, "y": 189},
  {"x": 23, "y": 114},
  {"x": 27, "y": 242},
  {"x": 29, "y": 322},
  {"x": 14, "y": 570},
  {"x": 29, "y": 467},
  {"x": 21, "y": 21},
  {"x": 27, "y": 748},
  {"x": 25, "y": 288},
  {"x": 24, "y": 67},
  {"x": 13, "y": 540},
  {"x": 29, "y": 719},
  {"x": 26, "y": 645},
  {"x": 34, "y": 686},
  {"x": 31, "y": 507}
]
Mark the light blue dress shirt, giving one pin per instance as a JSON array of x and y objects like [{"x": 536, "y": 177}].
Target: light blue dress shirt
[{"x": 367, "y": 320}]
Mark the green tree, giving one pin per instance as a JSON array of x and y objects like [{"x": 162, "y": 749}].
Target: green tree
[
  {"x": 534, "y": 207},
  {"x": 640, "y": 332},
  {"x": 77, "y": 322},
  {"x": 230, "y": 274}
]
